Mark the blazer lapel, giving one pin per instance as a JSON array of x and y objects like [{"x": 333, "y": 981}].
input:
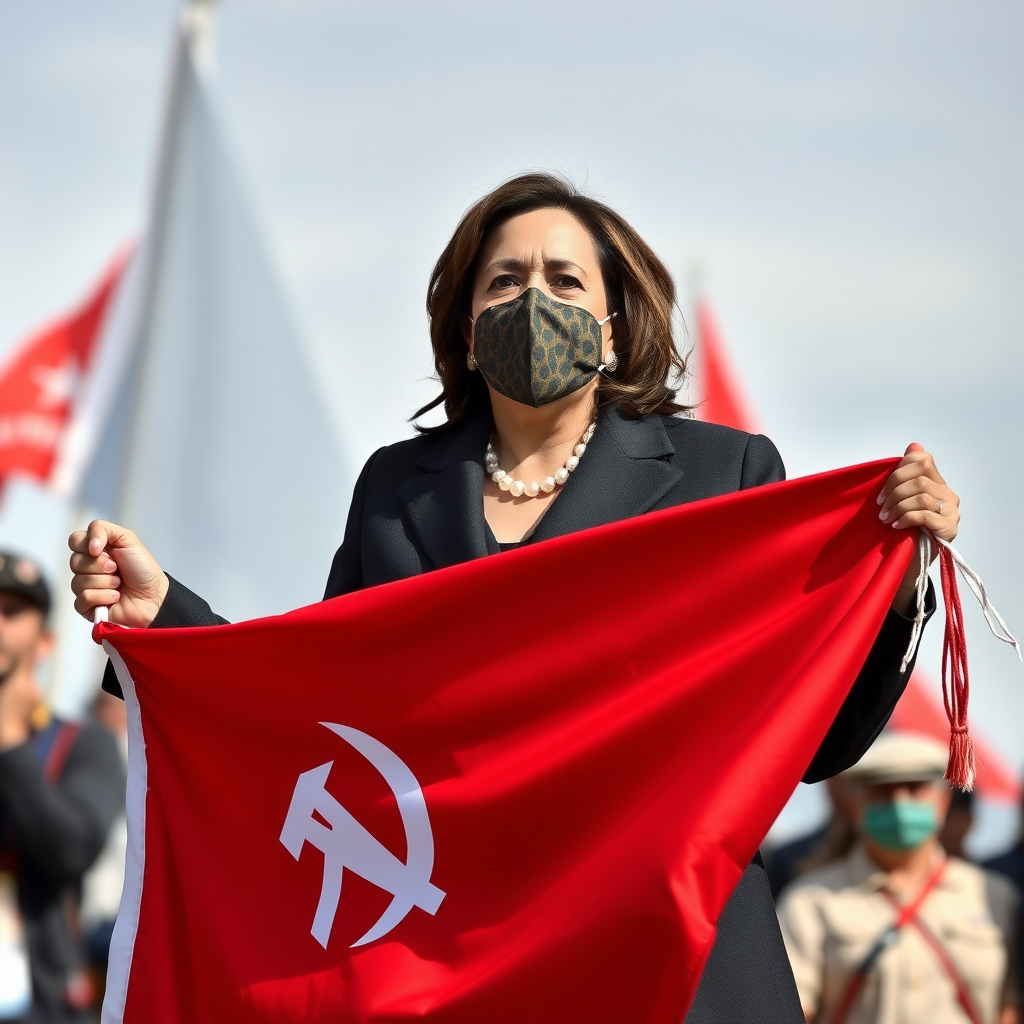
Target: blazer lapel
[
  {"x": 623, "y": 473},
  {"x": 445, "y": 502}
]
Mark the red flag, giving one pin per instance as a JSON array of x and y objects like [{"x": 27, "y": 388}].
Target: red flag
[
  {"x": 517, "y": 789},
  {"x": 722, "y": 401},
  {"x": 38, "y": 383}
]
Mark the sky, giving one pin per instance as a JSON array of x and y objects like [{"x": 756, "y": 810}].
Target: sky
[{"x": 844, "y": 180}]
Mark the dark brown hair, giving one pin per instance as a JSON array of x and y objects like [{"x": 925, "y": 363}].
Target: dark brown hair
[{"x": 639, "y": 288}]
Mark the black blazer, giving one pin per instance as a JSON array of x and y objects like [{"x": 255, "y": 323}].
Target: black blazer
[{"x": 418, "y": 506}]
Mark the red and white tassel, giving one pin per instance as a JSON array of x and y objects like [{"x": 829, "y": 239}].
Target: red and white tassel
[
  {"x": 956, "y": 687},
  {"x": 960, "y": 769}
]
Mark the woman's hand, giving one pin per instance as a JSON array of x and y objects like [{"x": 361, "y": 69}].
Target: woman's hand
[
  {"x": 916, "y": 495},
  {"x": 112, "y": 568}
]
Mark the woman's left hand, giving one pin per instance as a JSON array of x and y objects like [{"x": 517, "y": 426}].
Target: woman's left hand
[{"x": 916, "y": 495}]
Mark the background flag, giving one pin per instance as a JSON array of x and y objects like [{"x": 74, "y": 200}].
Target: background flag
[
  {"x": 203, "y": 427},
  {"x": 379, "y": 809},
  {"x": 721, "y": 398},
  {"x": 180, "y": 398},
  {"x": 38, "y": 383}
]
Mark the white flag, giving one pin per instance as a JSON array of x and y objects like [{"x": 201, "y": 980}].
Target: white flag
[{"x": 202, "y": 428}]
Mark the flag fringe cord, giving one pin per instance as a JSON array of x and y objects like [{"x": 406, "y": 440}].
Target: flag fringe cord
[
  {"x": 924, "y": 550},
  {"x": 987, "y": 608},
  {"x": 960, "y": 769}
]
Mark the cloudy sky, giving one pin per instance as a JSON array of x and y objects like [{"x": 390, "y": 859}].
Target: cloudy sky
[{"x": 844, "y": 179}]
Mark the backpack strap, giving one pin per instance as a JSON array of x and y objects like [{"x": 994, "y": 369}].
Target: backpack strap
[
  {"x": 53, "y": 744},
  {"x": 963, "y": 995},
  {"x": 42, "y": 741},
  {"x": 905, "y": 914}
]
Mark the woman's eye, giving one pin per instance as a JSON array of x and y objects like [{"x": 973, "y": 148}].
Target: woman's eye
[
  {"x": 566, "y": 282},
  {"x": 503, "y": 282}
]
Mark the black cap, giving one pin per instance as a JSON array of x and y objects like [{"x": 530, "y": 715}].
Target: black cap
[{"x": 20, "y": 575}]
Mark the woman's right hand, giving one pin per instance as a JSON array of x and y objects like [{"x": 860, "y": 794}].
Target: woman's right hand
[{"x": 113, "y": 569}]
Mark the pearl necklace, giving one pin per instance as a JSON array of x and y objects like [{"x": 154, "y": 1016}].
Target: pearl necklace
[{"x": 549, "y": 483}]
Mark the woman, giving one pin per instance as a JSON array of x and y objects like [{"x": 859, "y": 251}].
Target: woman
[{"x": 551, "y": 323}]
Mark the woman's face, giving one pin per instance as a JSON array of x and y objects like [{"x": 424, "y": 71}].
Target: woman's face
[{"x": 545, "y": 249}]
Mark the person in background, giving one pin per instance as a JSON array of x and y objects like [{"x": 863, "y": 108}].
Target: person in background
[
  {"x": 824, "y": 845},
  {"x": 959, "y": 822},
  {"x": 61, "y": 787},
  {"x": 898, "y": 932},
  {"x": 103, "y": 882},
  {"x": 835, "y": 838}
]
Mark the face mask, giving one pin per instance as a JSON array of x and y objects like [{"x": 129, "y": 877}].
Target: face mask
[
  {"x": 900, "y": 824},
  {"x": 535, "y": 350}
]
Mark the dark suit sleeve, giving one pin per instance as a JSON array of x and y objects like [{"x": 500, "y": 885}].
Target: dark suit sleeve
[
  {"x": 871, "y": 699},
  {"x": 347, "y": 568},
  {"x": 762, "y": 463},
  {"x": 880, "y": 683},
  {"x": 63, "y": 827},
  {"x": 181, "y": 608}
]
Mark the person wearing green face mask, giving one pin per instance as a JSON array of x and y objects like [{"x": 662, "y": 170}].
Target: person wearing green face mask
[
  {"x": 900, "y": 817},
  {"x": 898, "y": 932}
]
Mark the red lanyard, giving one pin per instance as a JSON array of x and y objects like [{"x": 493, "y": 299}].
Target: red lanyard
[
  {"x": 942, "y": 955},
  {"x": 905, "y": 914},
  {"x": 908, "y": 912}
]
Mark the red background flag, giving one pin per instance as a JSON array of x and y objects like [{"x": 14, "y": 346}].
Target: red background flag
[
  {"x": 555, "y": 763},
  {"x": 722, "y": 402},
  {"x": 39, "y": 381}
]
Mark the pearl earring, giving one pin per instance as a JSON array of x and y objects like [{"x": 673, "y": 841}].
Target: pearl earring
[{"x": 470, "y": 361}]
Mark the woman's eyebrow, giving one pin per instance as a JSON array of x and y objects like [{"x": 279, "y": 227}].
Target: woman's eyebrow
[
  {"x": 509, "y": 264},
  {"x": 512, "y": 264},
  {"x": 556, "y": 264}
]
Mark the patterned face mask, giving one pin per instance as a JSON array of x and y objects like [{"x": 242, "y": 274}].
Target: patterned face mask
[{"x": 535, "y": 350}]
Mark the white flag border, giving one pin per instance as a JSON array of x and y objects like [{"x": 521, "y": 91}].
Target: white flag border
[{"x": 122, "y": 944}]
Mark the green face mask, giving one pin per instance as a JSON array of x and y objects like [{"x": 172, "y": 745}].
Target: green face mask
[{"x": 900, "y": 824}]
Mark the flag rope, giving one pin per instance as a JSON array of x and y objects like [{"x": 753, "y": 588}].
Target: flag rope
[
  {"x": 960, "y": 769},
  {"x": 976, "y": 585},
  {"x": 924, "y": 550}
]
